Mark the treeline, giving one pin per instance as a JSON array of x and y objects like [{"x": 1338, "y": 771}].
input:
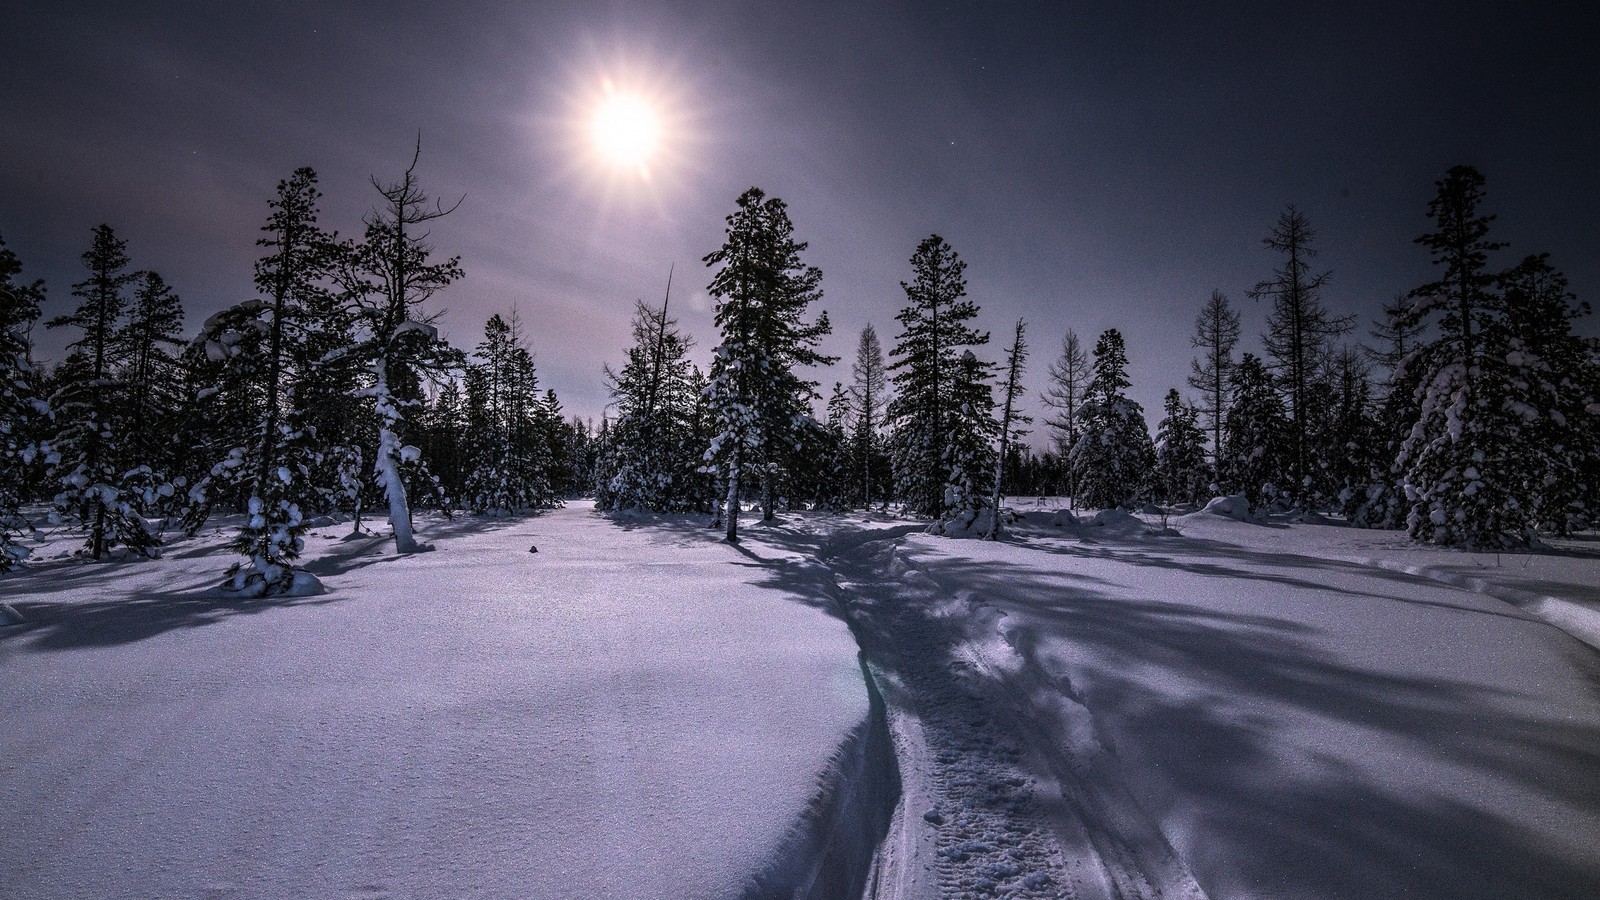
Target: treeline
[
  {"x": 310, "y": 398},
  {"x": 1471, "y": 419}
]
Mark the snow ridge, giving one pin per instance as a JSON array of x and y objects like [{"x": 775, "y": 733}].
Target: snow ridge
[{"x": 829, "y": 852}]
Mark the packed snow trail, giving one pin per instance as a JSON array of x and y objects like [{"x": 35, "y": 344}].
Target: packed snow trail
[
  {"x": 619, "y": 715},
  {"x": 1236, "y": 711}
]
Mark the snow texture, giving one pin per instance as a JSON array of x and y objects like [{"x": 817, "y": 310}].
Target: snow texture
[{"x": 624, "y": 714}]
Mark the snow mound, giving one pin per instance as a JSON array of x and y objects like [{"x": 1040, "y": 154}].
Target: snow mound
[
  {"x": 971, "y": 524},
  {"x": 301, "y": 584},
  {"x": 1234, "y": 506},
  {"x": 1118, "y": 522},
  {"x": 1063, "y": 518},
  {"x": 10, "y": 616}
]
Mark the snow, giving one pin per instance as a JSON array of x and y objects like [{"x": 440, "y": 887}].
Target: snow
[
  {"x": 628, "y": 713},
  {"x": 1232, "y": 707}
]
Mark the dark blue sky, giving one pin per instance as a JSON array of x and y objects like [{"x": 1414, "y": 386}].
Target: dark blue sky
[{"x": 1097, "y": 165}]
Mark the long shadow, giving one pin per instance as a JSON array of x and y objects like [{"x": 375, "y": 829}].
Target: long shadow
[
  {"x": 54, "y": 626},
  {"x": 1318, "y": 825}
]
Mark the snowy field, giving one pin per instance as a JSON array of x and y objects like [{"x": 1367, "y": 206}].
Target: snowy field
[{"x": 1091, "y": 709}]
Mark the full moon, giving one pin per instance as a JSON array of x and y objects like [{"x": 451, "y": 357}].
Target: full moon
[{"x": 626, "y": 130}]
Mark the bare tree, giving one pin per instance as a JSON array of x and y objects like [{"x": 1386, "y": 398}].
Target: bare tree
[
  {"x": 1069, "y": 382},
  {"x": 1216, "y": 332},
  {"x": 1016, "y": 358}
]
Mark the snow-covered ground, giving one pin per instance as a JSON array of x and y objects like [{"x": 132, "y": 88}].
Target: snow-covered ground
[
  {"x": 1228, "y": 710},
  {"x": 620, "y": 714}
]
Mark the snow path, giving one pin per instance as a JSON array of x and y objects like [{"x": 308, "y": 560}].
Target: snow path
[
  {"x": 1235, "y": 712},
  {"x": 621, "y": 714}
]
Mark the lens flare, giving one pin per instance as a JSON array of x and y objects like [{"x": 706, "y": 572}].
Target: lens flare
[{"x": 626, "y": 130}]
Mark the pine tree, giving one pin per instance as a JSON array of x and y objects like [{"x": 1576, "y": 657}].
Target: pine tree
[
  {"x": 1553, "y": 387},
  {"x": 1299, "y": 329},
  {"x": 1010, "y": 418},
  {"x": 20, "y": 406},
  {"x": 386, "y": 277},
  {"x": 1462, "y": 477},
  {"x": 870, "y": 397},
  {"x": 150, "y": 377},
  {"x": 1346, "y": 440},
  {"x": 969, "y": 454},
  {"x": 1069, "y": 378},
  {"x": 927, "y": 359},
  {"x": 652, "y": 454},
  {"x": 1255, "y": 456},
  {"x": 760, "y": 403},
  {"x": 1182, "y": 474},
  {"x": 1216, "y": 332},
  {"x": 1114, "y": 458},
  {"x": 89, "y": 406},
  {"x": 1380, "y": 502}
]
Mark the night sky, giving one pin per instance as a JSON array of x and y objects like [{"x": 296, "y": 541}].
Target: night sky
[{"x": 1096, "y": 165}]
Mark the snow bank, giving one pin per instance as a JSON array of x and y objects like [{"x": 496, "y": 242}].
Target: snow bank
[{"x": 1235, "y": 507}]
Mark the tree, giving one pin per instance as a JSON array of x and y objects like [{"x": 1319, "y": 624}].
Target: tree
[
  {"x": 1016, "y": 359},
  {"x": 1114, "y": 457},
  {"x": 925, "y": 413},
  {"x": 1462, "y": 477},
  {"x": 869, "y": 395},
  {"x": 263, "y": 340},
  {"x": 386, "y": 278},
  {"x": 652, "y": 455},
  {"x": 1069, "y": 378},
  {"x": 150, "y": 377},
  {"x": 89, "y": 442},
  {"x": 20, "y": 407},
  {"x": 1182, "y": 475},
  {"x": 758, "y": 401},
  {"x": 1216, "y": 332},
  {"x": 1553, "y": 387},
  {"x": 1298, "y": 331},
  {"x": 1255, "y": 457}
]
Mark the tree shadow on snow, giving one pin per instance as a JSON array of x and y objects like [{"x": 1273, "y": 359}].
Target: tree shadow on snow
[
  {"x": 56, "y": 625},
  {"x": 1318, "y": 825}
]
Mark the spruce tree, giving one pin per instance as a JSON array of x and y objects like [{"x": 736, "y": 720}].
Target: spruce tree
[
  {"x": 928, "y": 357},
  {"x": 1553, "y": 388},
  {"x": 20, "y": 406},
  {"x": 1256, "y": 450},
  {"x": 1299, "y": 329},
  {"x": 969, "y": 454},
  {"x": 89, "y": 406},
  {"x": 1462, "y": 478},
  {"x": 1216, "y": 332},
  {"x": 1182, "y": 475},
  {"x": 150, "y": 378},
  {"x": 869, "y": 394},
  {"x": 1114, "y": 458},
  {"x": 758, "y": 400},
  {"x": 652, "y": 454}
]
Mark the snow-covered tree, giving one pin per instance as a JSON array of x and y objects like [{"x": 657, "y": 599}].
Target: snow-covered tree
[
  {"x": 652, "y": 457},
  {"x": 869, "y": 394},
  {"x": 969, "y": 452},
  {"x": 1216, "y": 332},
  {"x": 759, "y": 402},
  {"x": 1463, "y": 478},
  {"x": 1011, "y": 419},
  {"x": 1554, "y": 387},
  {"x": 1255, "y": 440},
  {"x": 508, "y": 465},
  {"x": 90, "y": 441},
  {"x": 1114, "y": 458},
  {"x": 20, "y": 407},
  {"x": 927, "y": 359},
  {"x": 1069, "y": 378},
  {"x": 1182, "y": 475},
  {"x": 150, "y": 378},
  {"x": 1299, "y": 330},
  {"x": 1380, "y": 501},
  {"x": 386, "y": 278},
  {"x": 262, "y": 342}
]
